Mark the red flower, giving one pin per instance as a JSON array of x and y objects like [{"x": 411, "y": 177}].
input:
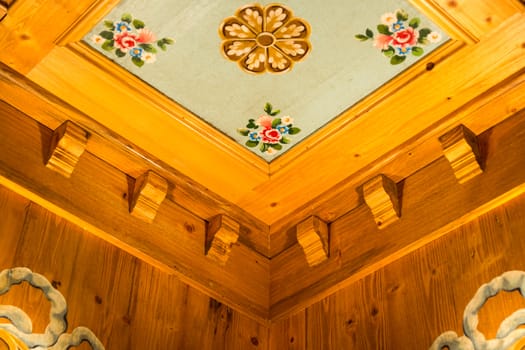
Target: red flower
[
  {"x": 125, "y": 40},
  {"x": 405, "y": 37},
  {"x": 270, "y": 135},
  {"x": 145, "y": 36},
  {"x": 382, "y": 41}
]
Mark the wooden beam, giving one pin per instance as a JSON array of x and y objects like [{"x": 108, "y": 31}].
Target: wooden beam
[
  {"x": 221, "y": 234},
  {"x": 67, "y": 145},
  {"x": 149, "y": 191},
  {"x": 434, "y": 203},
  {"x": 382, "y": 197},
  {"x": 3, "y": 12},
  {"x": 96, "y": 199},
  {"x": 313, "y": 236},
  {"x": 461, "y": 148}
]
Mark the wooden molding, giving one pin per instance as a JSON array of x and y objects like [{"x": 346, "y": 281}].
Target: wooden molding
[
  {"x": 222, "y": 233},
  {"x": 460, "y": 146},
  {"x": 3, "y": 12},
  {"x": 382, "y": 197},
  {"x": 148, "y": 193},
  {"x": 314, "y": 237},
  {"x": 67, "y": 145}
]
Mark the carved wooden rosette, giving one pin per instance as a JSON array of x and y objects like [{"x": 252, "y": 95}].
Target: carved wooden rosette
[
  {"x": 149, "y": 191},
  {"x": 67, "y": 145},
  {"x": 314, "y": 236},
  {"x": 382, "y": 197},
  {"x": 460, "y": 146},
  {"x": 222, "y": 233}
]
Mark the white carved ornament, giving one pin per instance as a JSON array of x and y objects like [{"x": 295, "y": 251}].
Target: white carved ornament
[
  {"x": 508, "y": 332},
  {"x": 18, "y": 335}
]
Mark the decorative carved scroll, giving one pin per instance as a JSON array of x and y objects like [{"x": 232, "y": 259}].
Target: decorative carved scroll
[
  {"x": 149, "y": 191},
  {"x": 19, "y": 335},
  {"x": 508, "y": 333},
  {"x": 222, "y": 233},
  {"x": 460, "y": 146},
  {"x": 67, "y": 145},
  {"x": 382, "y": 197},
  {"x": 313, "y": 236}
]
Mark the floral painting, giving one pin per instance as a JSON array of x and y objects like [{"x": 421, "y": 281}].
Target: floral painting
[
  {"x": 399, "y": 36},
  {"x": 269, "y": 132},
  {"x": 129, "y": 36},
  {"x": 265, "y": 39}
]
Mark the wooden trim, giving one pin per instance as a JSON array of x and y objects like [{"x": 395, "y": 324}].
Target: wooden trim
[
  {"x": 221, "y": 234},
  {"x": 313, "y": 235},
  {"x": 433, "y": 204},
  {"x": 383, "y": 198},
  {"x": 67, "y": 145},
  {"x": 149, "y": 191},
  {"x": 174, "y": 241},
  {"x": 50, "y": 111}
]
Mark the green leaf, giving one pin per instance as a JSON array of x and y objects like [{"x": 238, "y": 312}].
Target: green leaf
[
  {"x": 369, "y": 33},
  {"x": 109, "y": 24},
  {"x": 268, "y": 107},
  {"x": 120, "y": 53},
  {"x": 126, "y": 18},
  {"x": 168, "y": 41},
  {"x": 106, "y": 34},
  {"x": 275, "y": 112},
  {"x": 417, "y": 51},
  {"x": 161, "y": 45},
  {"x": 264, "y": 147},
  {"x": 361, "y": 37},
  {"x": 293, "y": 131},
  {"x": 251, "y": 143},
  {"x": 389, "y": 52},
  {"x": 243, "y": 131},
  {"x": 423, "y": 32},
  {"x": 397, "y": 59},
  {"x": 414, "y": 22},
  {"x": 138, "y": 24},
  {"x": 276, "y": 146},
  {"x": 148, "y": 48},
  {"x": 423, "y": 41},
  {"x": 137, "y": 61},
  {"x": 401, "y": 15},
  {"x": 285, "y": 140},
  {"x": 108, "y": 45},
  {"x": 383, "y": 29},
  {"x": 276, "y": 122}
]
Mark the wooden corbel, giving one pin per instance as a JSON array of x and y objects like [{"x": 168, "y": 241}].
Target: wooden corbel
[
  {"x": 149, "y": 191},
  {"x": 460, "y": 146},
  {"x": 382, "y": 197},
  {"x": 221, "y": 234},
  {"x": 67, "y": 145},
  {"x": 314, "y": 237},
  {"x": 3, "y": 11}
]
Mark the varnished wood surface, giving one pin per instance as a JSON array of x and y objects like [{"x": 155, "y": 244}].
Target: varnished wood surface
[
  {"x": 433, "y": 203},
  {"x": 97, "y": 195},
  {"x": 127, "y": 303},
  {"x": 408, "y": 303}
]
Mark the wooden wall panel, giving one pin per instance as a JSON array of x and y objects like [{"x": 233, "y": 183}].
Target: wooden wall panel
[
  {"x": 408, "y": 303},
  {"x": 126, "y": 302}
]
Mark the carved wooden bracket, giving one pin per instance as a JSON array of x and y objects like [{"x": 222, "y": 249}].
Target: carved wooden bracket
[
  {"x": 221, "y": 234},
  {"x": 3, "y": 12},
  {"x": 460, "y": 146},
  {"x": 382, "y": 197},
  {"x": 67, "y": 145},
  {"x": 149, "y": 191},
  {"x": 314, "y": 237}
]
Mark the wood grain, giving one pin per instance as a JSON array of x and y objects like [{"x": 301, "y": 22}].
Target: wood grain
[
  {"x": 149, "y": 191},
  {"x": 68, "y": 143},
  {"x": 433, "y": 202},
  {"x": 127, "y": 303},
  {"x": 221, "y": 234},
  {"x": 50, "y": 111},
  {"x": 382, "y": 196},
  {"x": 174, "y": 242},
  {"x": 313, "y": 236},
  {"x": 409, "y": 302}
]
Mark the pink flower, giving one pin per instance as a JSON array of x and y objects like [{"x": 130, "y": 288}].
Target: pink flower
[
  {"x": 265, "y": 121},
  {"x": 125, "y": 40},
  {"x": 382, "y": 41},
  {"x": 146, "y": 36},
  {"x": 405, "y": 37},
  {"x": 270, "y": 135}
]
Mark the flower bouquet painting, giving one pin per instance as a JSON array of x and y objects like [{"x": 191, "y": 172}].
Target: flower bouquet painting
[{"x": 398, "y": 36}]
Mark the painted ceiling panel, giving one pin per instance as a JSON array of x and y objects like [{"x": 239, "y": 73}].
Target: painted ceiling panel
[{"x": 329, "y": 54}]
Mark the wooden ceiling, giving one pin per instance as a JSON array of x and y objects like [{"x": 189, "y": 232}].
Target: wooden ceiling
[{"x": 368, "y": 188}]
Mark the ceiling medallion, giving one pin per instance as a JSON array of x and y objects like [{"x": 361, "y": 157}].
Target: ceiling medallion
[{"x": 265, "y": 39}]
